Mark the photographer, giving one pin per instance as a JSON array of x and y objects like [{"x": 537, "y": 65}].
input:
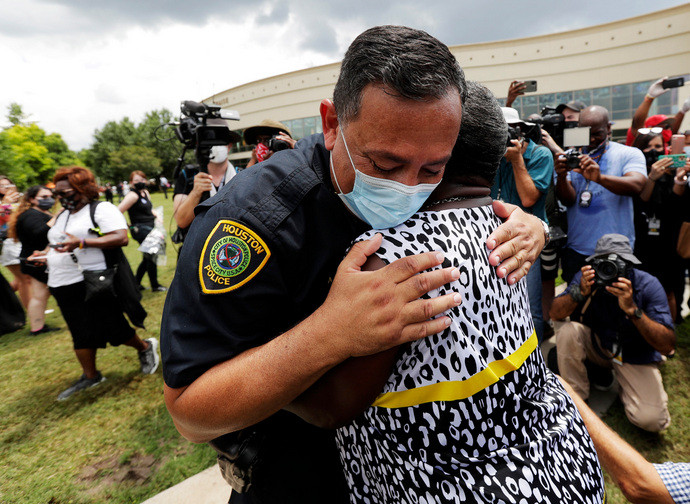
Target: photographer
[
  {"x": 658, "y": 217},
  {"x": 268, "y": 137},
  {"x": 597, "y": 188},
  {"x": 669, "y": 126},
  {"x": 523, "y": 177},
  {"x": 625, "y": 327},
  {"x": 190, "y": 190}
]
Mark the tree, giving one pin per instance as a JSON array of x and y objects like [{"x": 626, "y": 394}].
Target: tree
[
  {"x": 129, "y": 158},
  {"x": 30, "y": 156},
  {"x": 166, "y": 148},
  {"x": 114, "y": 136},
  {"x": 15, "y": 114}
]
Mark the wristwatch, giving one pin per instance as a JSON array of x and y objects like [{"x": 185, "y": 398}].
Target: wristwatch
[
  {"x": 547, "y": 232},
  {"x": 576, "y": 294},
  {"x": 637, "y": 314}
]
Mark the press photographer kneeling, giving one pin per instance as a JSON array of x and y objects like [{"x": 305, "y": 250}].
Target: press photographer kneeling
[{"x": 625, "y": 326}]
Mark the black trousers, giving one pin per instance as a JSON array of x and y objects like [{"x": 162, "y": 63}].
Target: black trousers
[{"x": 148, "y": 262}]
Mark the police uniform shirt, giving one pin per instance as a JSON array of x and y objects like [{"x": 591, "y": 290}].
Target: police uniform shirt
[{"x": 259, "y": 258}]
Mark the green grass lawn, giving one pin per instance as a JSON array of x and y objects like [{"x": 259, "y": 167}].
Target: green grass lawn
[{"x": 116, "y": 443}]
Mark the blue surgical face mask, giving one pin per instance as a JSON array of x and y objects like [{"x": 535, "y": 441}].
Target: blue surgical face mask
[{"x": 380, "y": 202}]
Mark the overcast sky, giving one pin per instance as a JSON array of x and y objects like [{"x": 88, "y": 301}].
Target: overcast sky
[{"x": 73, "y": 65}]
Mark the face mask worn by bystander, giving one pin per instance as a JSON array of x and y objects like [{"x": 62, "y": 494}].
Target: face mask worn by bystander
[{"x": 380, "y": 202}]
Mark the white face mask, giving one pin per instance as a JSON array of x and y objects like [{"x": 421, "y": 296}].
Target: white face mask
[{"x": 219, "y": 153}]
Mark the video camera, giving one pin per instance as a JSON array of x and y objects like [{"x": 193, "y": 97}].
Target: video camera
[
  {"x": 554, "y": 124},
  {"x": 608, "y": 268},
  {"x": 200, "y": 128}
]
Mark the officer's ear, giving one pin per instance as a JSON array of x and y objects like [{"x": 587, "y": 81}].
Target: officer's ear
[{"x": 329, "y": 121}]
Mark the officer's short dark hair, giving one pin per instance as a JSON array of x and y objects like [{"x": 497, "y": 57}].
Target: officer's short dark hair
[
  {"x": 411, "y": 62},
  {"x": 482, "y": 139}
]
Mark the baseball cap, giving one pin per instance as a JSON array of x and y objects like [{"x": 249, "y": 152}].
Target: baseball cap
[{"x": 575, "y": 105}]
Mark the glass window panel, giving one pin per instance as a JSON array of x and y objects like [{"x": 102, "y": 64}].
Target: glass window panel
[
  {"x": 602, "y": 97},
  {"x": 621, "y": 114},
  {"x": 309, "y": 126},
  {"x": 564, "y": 97},
  {"x": 621, "y": 95},
  {"x": 548, "y": 100},
  {"x": 584, "y": 95},
  {"x": 297, "y": 128},
  {"x": 530, "y": 105},
  {"x": 319, "y": 125},
  {"x": 502, "y": 102},
  {"x": 639, "y": 90}
]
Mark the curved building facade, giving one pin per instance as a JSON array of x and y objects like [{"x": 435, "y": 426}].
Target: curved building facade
[{"x": 610, "y": 64}]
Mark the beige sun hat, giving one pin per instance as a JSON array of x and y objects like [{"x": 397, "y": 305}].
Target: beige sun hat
[{"x": 265, "y": 127}]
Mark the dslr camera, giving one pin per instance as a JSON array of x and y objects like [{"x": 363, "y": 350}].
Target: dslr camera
[
  {"x": 608, "y": 268},
  {"x": 572, "y": 159},
  {"x": 275, "y": 144},
  {"x": 513, "y": 134}
]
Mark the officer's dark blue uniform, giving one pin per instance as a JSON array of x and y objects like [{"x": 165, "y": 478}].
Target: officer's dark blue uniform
[{"x": 259, "y": 258}]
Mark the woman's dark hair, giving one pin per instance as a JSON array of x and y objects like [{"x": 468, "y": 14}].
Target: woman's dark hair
[
  {"x": 482, "y": 139},
  {"x": 642, "y": 141},
  {"x": 81, "y": 179},
  {"x": 409, "y": 62}
]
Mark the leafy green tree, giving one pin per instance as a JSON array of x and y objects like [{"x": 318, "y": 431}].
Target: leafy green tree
[
  {"x": 30, "y": 156},
  {"x": 15, "y": 114},
  {"x": 161, "y": 140},
  {"x": 112, "y": 137},
  {"x": 129, "y": 158}
]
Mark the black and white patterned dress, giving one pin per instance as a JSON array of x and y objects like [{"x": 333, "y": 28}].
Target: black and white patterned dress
[{"x": 471, "y": 414}]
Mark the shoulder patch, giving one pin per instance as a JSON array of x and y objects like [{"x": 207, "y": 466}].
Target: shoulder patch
[{"x": 232, "y": 255}]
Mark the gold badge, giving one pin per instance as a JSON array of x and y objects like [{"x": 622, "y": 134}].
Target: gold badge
[{"x": 232, "y": 255}]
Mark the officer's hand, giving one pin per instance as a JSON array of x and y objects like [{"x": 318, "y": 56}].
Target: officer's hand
[
  {"x": 514, "y": 152},
  {"x": 589, "y": 168},
  {"x": 623, "y": 290},
  {"x": 587, "y": 280},
  {"x": 202, "y": 183},
  {"x": 516, "y": 243},
  {"x": 367, "y": 312}
]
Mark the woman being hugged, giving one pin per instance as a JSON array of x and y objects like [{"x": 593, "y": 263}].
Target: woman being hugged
[
  {"x": 75, "y": 246},
  {"x": 141, "y": 216},
  {"x": 29, "y": 225}
]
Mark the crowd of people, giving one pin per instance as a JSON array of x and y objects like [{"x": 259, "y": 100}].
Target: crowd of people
[{"x": 358, "y": 315}]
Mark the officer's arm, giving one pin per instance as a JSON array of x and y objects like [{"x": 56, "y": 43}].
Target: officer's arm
[
  {"x": 255, "y": 384},
  {"x": 349, "y": 388}
]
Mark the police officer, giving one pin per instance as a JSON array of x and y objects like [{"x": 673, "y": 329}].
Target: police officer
[{"x": 263, "y": 303}]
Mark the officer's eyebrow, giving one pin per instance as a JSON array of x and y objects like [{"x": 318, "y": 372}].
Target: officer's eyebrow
[{"x": 390, "y": 156}]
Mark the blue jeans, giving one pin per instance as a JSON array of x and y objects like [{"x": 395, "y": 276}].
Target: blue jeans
[{"x": 534, "y": 293}]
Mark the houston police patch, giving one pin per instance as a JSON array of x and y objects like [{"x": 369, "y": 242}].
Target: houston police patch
[{"x": 232, "y": 255}]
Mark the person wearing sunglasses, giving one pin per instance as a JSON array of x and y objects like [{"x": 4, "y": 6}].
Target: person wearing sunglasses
[{"x": 669, "y": 125}]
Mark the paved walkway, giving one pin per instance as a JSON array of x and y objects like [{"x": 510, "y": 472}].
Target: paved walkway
[{"x": 207, "y": 487}]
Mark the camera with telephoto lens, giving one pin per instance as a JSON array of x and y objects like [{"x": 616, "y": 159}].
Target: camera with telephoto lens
[
  {"x": 276, "y": 144},
  {"x": 608, "y": 268}
]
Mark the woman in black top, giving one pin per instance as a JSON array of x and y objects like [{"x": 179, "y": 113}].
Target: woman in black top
[
  {"x": 141, "y": 217},
  {"x": 29, "y": 225}
]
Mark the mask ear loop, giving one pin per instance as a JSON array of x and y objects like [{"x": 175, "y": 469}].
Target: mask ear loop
[{"x": 330, "y": 159}]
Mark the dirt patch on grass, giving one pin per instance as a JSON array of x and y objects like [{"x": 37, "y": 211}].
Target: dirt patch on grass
[{"x": 116, "y": 470}]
